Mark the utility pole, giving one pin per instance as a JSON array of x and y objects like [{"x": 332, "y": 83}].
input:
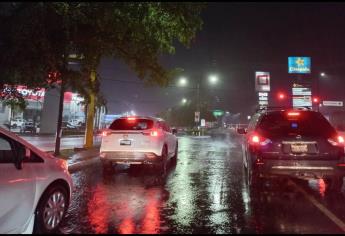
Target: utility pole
[
  {"x": 59, "y": 123},
  {"x": 198, "y": 105},
  {"x": 90, "y": 114}
]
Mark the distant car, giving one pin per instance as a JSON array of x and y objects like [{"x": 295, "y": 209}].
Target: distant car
[
  {"x": 17, "y": 122},
  {"x": 35, "y": 187},
  {"x": 294, "y": 143},
  {"x": 139, "y": 140},
  {"x": 76, "y": 122},
  {"x": 67, "y": 125},
  {"x": 28, "y": 127}
]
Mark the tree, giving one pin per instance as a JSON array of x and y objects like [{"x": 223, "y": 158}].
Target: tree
[
  {"x": 183, "y": 115},
  {"x": 137, "y": 33},
  {"x": 37, "y": 38},
  {"x": 35, "y": 41}
]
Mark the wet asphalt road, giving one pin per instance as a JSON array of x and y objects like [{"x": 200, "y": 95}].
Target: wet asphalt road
[{"x": 205, "y": 192}]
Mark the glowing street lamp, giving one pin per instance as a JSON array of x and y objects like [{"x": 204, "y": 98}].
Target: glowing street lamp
[
  {"x": 213, "y": 79},
  {"x": 184, "y": 101},
  {"x": 183, "y": 81}
]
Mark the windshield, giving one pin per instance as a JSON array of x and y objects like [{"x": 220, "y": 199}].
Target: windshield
[
  {"x": 305, "y": 123},
  {"x": 127, "y": 124}
]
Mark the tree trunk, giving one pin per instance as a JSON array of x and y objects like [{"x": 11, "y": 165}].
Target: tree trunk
[{"x": 90, "y": 115}]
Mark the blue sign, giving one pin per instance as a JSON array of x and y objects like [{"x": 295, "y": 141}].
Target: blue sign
[{"x": 299, "y": 65}]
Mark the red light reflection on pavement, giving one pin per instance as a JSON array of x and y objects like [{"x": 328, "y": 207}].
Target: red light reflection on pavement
[
  {"x": 151, "y": 219},
  {"x": 127, "y": 213},
  {"x": 127, "y": 226},
  {"x": 322, "y": 187},
  {"x": 98, "y": 210}
]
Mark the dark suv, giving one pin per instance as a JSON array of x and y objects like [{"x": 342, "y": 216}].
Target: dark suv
[{"x": 295, "y": 143}]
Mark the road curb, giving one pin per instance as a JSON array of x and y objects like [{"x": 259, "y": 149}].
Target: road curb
[
  {"x": 201, "y": 137},
  {"x": 74, "y": 167}
]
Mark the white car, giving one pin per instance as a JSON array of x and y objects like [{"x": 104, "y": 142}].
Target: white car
[
  {"x": 35, "y": 187},
  {"x": 138, "y": 140},
  {"x": 76, "y": 122},
  {"x": 17, "y": 122}
]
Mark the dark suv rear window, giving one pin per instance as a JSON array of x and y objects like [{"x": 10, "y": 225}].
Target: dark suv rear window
[
  {"x": 126, "y": 124},
  {"x": 307, "y": 123}
]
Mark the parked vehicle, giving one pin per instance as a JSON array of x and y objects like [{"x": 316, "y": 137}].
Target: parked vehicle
[
  {"x": 76, "y": 122},
  {"x": 294, "y": 143},
  {"x": 139, "y": 140},
  {"x": 35, "y": 187},
  {"x": 17, "y": 122},
  {"x": 28, "y": 127}
]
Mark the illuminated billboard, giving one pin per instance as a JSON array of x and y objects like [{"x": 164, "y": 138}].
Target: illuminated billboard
[
  {"x": 299, "y": 65},
  {"x": 262, "y": 81},
  {"x": 301, "y": 97}
]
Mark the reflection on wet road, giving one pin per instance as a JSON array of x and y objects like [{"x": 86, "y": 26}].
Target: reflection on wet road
[{"x": 205, "y": 192}]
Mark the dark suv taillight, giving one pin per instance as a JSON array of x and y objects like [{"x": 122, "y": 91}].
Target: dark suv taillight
[
  {"x": 336, "y": 141},
  {"x": 256, "y": 139}
]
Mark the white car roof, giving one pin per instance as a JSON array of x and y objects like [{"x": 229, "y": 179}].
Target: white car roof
[{"x": 142, "y": 117}]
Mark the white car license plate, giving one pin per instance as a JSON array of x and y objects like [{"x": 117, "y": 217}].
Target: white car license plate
[
  {"x": 299, "y": 148},
  {"x": 125, "y": 142}
]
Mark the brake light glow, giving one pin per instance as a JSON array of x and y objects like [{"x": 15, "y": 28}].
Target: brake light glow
[
  {"x": 255, "y": 139},
  {"x": 154, "y": 133},
  {"x": 338, "y": 141},
  {"x": 105, "y": 133},
  {"x": 258, "y": 140},
  {"x": 131, "y": 118},
  {"x": 293, "y": 113}
]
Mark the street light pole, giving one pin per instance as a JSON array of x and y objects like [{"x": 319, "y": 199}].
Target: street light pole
[
  {"x": 212, "y": 79},
  {"x": 322, "y": 74},
  {"x": 198, "y": 102}
]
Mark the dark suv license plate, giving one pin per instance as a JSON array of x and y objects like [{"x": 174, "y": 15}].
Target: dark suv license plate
[
  {"x": 125, "y": 142},
  {"x": 299, "y": 148}
]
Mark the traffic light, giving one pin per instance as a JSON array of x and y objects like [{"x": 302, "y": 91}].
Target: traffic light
[
  {"x": 316, "y": 100},
  {"x": 281, "y": 96},
  {"x": 54, "y": 77}
]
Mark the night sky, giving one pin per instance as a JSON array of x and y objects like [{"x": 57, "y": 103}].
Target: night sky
[{"x": 236, "y": 40}]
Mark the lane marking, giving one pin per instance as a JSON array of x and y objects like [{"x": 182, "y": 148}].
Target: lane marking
[{"x": 321, "y": 207}]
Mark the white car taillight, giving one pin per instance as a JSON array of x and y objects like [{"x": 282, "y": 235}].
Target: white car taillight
[
  {"x": 106, "y": 133},
  {"x": 153, "y": 133}
]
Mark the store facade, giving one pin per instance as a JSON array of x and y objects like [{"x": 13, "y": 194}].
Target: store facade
[{"x": 42, "y": 110}]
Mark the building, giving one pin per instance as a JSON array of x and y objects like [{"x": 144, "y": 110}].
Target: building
[{"x": 42, "y": 109}]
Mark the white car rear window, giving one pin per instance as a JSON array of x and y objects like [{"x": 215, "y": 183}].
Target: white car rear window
[{"x": 131, "y": 124}]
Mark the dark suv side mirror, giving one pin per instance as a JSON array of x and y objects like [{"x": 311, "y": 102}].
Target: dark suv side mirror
[
  {"x": 241, "y": 130},
  {"x": 174, "y": 131}
]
